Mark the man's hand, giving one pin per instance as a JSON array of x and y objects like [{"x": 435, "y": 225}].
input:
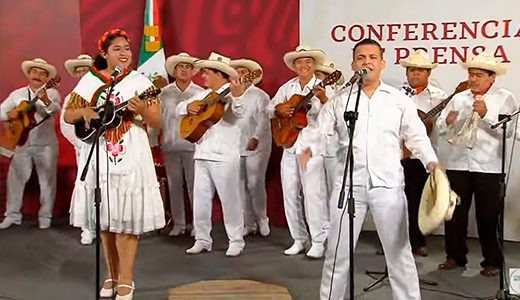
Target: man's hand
[
  {"x": 431, "y": 166},
  {"x": 42, "y": 95},
  {"x": 195, "y": 107},
  {"x": 480, "y": 107},
  {"x": 320, "y": 93},
  {"x": 89, "y": 114},
  {"x": 304, "y": 158},
  {"x": 13, "y": 114},
  {"x": 236, "y": 88},
  {"x": 136, "y": 105},
  {"x": 252, "y": 144},
  {"x": 283, "y": 110},
  {"x": 452, "y": 117},
  {"x": 160, "y": 82}
]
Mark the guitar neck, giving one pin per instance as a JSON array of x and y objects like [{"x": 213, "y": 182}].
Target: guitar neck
[
  {"x": 437, "y": 109},
  {"x": 307, "y": 97},
  {"x": 220, "y": 96}
]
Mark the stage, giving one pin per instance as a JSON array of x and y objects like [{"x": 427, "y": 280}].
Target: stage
[{"x": 51, "y": 264}]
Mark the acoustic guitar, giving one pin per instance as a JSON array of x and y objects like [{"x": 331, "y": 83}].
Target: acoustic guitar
[
  {"x": 427, "y": 118},
  {"x": 114, "y": 116},
  {"x": 15, "y": 132},
  {"x": 286, "y": 130},
  {"x": 193, "y": 127}
]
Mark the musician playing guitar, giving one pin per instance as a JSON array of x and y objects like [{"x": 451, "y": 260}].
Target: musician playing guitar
[
  {"x": 425, "y": 96},
  {"x": 217, "y": 155},
  {"x": 41, "y": 147},
  {"x": 303, "y": 62}
]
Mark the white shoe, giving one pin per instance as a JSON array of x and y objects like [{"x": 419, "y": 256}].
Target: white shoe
[
  {"x": 198, "y": 247},
  {"x": 263, "y": 228},
  {"x": 86, "y": 237},
  {"x": 316, "y": 251},
  {"x": 7, "y": 222},
  {"x": 297, "y": 248},
  {"x": 247, "y": 230},
  {"x": 128, "y": 296},
  {"x": 177, "y": 230},
  {"x": 108, "y": 293},
  {"x": 44, "y": 223},
  {"x": 234, "y": 249}
]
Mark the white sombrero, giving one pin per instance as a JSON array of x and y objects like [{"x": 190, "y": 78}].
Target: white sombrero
[
  {"x": 217, "y": 62},
  {"x": 485, "y": 61},
  {"x": 303, "y": 51},
  {"x": 174, "y": 60},
  {"x": 328, "y": 67},
  {"x": 418, "y": 59},
  {"x": 83, "y": 60},
  {"x": 251, "y": 65},
  {"x": 438, "y": 202},
  {"x": 38, "y": 63}
]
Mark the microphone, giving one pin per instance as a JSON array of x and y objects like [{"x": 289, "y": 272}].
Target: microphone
[
  {"x": 118, "y": 69},
  {"x": 358, "y": 74}
]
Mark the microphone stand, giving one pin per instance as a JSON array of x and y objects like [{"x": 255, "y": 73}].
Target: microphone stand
[
  {"x": 503, "y": 293},
  {"x": 108, "y": 109}
]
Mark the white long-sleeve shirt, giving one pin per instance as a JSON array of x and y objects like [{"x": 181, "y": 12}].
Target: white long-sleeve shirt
[
  {"x": 171, "y": 96},
  {"x": 221, "y": 140},
  {"x": 68, "y": 129},
  {"x": 307, "y": 135},
  {"x": 425, "y": 101},
  {"x": 384, "y": 120},
  {"x": 45, "y": 133},
  {"x": 485, "y": 156},
  {"x": 255, "y": 122}
]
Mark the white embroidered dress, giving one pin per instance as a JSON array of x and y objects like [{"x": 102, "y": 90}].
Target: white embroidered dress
[{"x": 130, "y": 199}]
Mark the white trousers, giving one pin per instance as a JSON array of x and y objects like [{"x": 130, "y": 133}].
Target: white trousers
[
  {"x": 45, "y": 160},
  {"x": 179, "y": 168},
  {"x": 312, "y": 183},
  {"x": 224, "y": 177},
  {"x": 389, "y": 209},
  {"x": 252, "y": 183}
]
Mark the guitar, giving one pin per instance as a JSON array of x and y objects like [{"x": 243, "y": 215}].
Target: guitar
[
  {"x": 427, "y": 117},
  {"x": 15, "y": 132},
  {"x": 193, "y": 127},
  {"x": 286, "y": 130},
  {"x": 114, "y": 116}
]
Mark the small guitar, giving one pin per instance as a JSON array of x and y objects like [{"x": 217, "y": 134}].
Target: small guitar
[
  {"x": 15, "y": 132},
  {"x": 193, "y": 127},
  {"x": 427, "y": 118},
  {"x": 286, "y": 130},
  {"x": 114, "y": 116}
]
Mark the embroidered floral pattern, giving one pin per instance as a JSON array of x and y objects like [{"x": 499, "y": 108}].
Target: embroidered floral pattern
[{"x": 115, "y": 151}]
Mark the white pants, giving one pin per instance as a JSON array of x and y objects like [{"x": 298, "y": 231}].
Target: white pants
[
  {"x": 330, "y": 163},
  {"x": 252, "y": 183},
  {"x": 224, "y": 177},
  {"x": 45, "y": 159},
  {"x": 312, "y": 182},
  {"x": 179, "y": 167},
  {"x": 389, "y": 209}
]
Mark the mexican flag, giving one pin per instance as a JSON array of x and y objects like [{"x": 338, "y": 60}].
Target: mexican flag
[{"x": 151, "y": 57}]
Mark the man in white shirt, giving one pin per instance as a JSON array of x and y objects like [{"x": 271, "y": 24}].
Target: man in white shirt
[
  {"x": 178, "y": 152},
  {"x": 255, "y": 150},
  {"x": 217, "y": 157},
  {"x": 386, "y": 117},
  {"x": 77, "y": 67},
  {"x": 41, "y": 148},
  {"x": 294, "y": 180},
  {"x": 474, "y": 166},
  {"x": 425, "y": 96}
]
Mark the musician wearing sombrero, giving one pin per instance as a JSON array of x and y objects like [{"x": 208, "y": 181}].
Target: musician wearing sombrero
[
  {"x": 311, "y": 182},
  {"x": 425, "y": 96},
  {"x": 178, "y": 152},
  {"x": 217, "y": 157},
  {"x": 76, "y": 67},
  {"x": 41, "y": 148},
  {"x": 474, "y": 161},
  {"x": 386, "y": 118},
  {"x": 255, "y": 150}
]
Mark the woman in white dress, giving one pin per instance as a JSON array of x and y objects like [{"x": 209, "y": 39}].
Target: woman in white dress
[{"x": 130, "y": 199}]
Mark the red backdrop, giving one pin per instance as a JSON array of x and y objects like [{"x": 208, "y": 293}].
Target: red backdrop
[{"x": 257, "y": 29}]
